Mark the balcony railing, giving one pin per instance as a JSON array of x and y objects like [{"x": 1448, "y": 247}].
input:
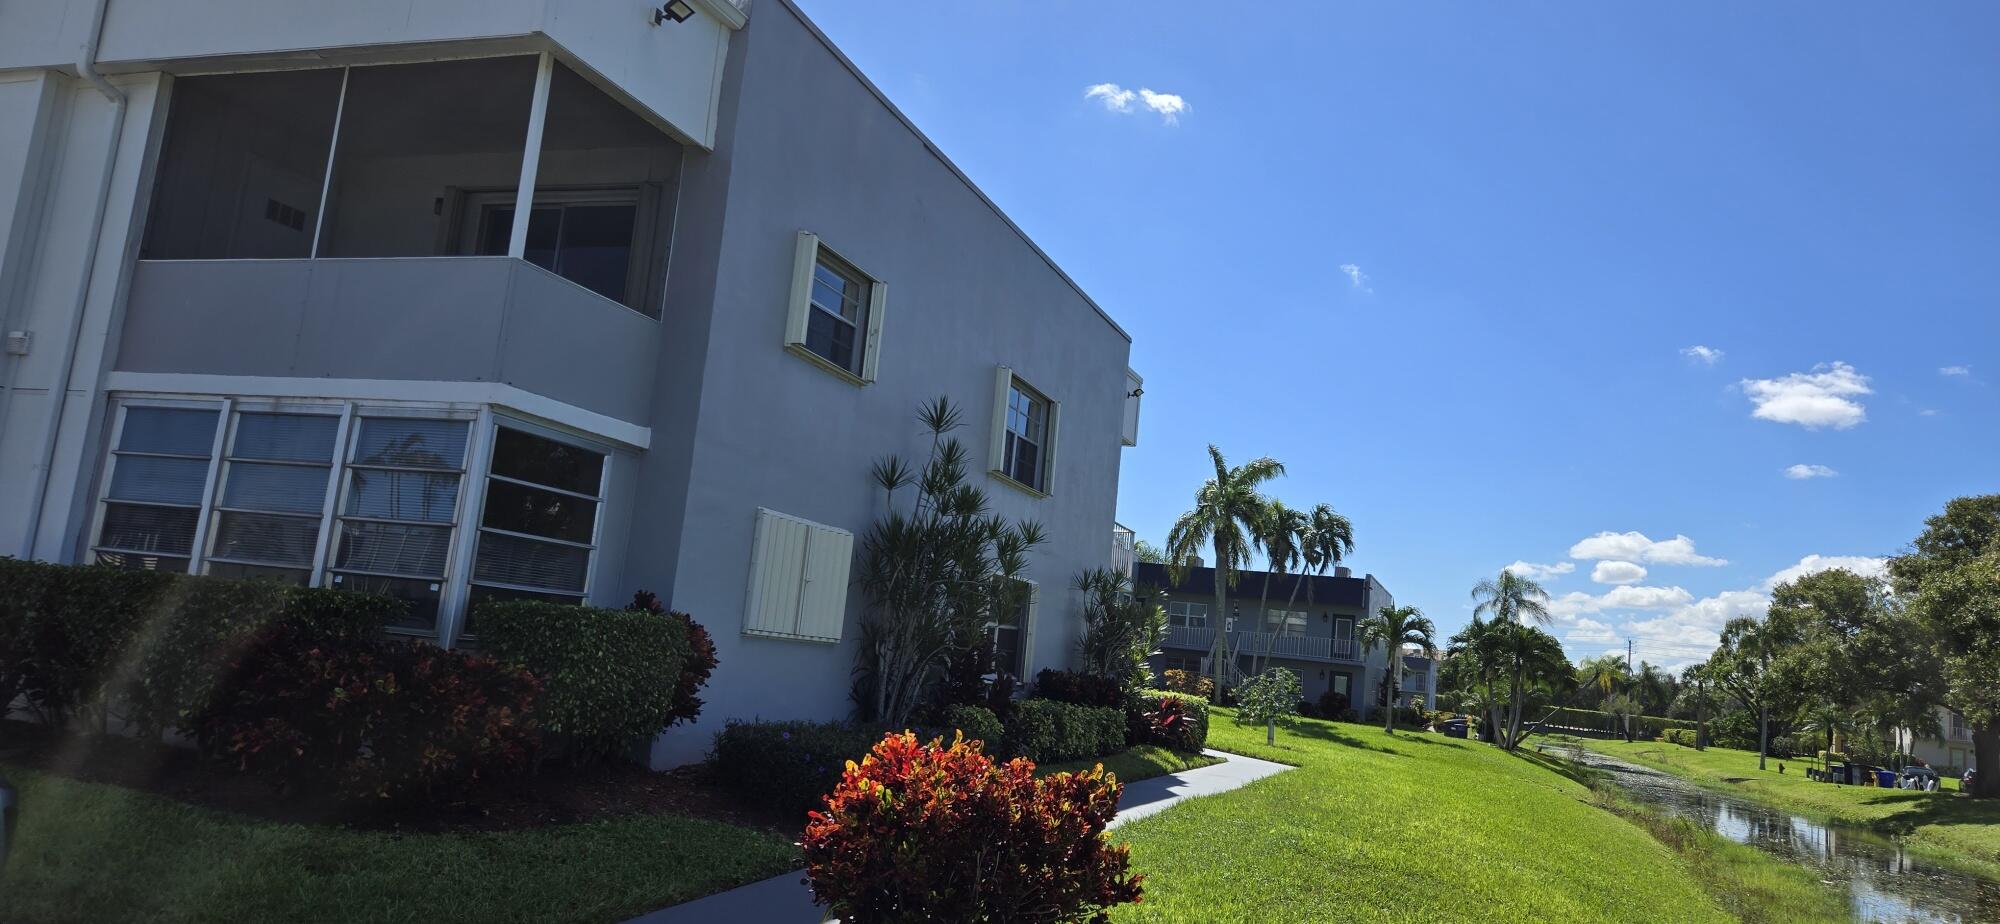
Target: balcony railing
[{"x": 1305, "y": 647}]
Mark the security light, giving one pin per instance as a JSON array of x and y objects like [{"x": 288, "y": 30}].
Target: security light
[{"x": 676, "y": 10}]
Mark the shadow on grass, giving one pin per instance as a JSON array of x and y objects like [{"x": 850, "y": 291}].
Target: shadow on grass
[
  {"x": 1334, "y": 733},
  {"x": 1574, "y": 771}
]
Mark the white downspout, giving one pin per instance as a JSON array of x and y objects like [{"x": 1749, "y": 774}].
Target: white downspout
[{"x": 86, "y": 67}]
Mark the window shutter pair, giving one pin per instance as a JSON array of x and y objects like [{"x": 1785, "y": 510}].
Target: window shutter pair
[
  {"x": 798, "y": 579},
  {"x": 804, "y": 257}
]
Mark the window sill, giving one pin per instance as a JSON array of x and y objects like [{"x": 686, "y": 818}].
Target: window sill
[
  {"x": 799, "y": 350},
  {"x": 788, "y": 637},
  {"x": 1009, "y": 481}
]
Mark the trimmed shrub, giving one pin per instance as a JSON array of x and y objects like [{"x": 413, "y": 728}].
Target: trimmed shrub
[
  {"x": 1685, "y": 737},
  {"x": 1643, "y": 726},
  {"x": 1079, "y": 688},
  {"x": 789, "y": 765},
  {"x": 77, "y": 638},
  {"x": 700, "y": 663},
  {"x": 611, "y": 678},
  {"x": 1180, "y": 681},
  {"x": 978, "y": 723},
  {"x": 919, "y": 833},
  {"x": 1332, "y": 704},
  {"x": 1143, "y": 727},
  {"x": 1048, "y": 731},
  {"x": 370, "y": 718}
]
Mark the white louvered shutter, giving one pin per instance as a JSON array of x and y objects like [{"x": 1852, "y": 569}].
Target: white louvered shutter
[
  {"x": 1003, "y": 380},
  {"x": 803, "y": 258},
  {"x": 878, "y": 313},
  {"x": 798, "y": 579}
]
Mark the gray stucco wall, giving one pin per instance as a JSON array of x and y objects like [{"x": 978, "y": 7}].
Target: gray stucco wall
[{"x": 810, "y": 147}]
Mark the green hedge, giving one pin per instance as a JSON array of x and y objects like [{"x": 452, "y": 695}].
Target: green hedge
[
  {"x": 789, "y": 765},
  {"x": 609, "y": 676},
  {"x": 151, "y": 646},
  {"x": 1047, "y": 731},
  {"x": 1140, "y": 731},
  {"x": 979, "y": 724},
  {"x": 1685, "y": 737},
  {"x": 1646, "y": 727}
]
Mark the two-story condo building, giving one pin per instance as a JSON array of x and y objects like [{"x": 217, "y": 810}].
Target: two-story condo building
[
  {"x": 458, "y": 300},
  {"x": 1311, "y": 632}
]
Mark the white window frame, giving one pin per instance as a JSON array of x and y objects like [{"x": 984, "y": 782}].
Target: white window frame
[
  {"x": 806, "y": 256},
  {"x": 476, "y": 526},
  {"x": 1187, "y": 614},
  {"x": 1285, "y": 620},
  {"x": 1005, "y": 383},
  {"x": 482, "y": 422},
  {"x": 1024, "y": 634},
  {"x": 471, "y": 210},
  {"x": 343, "y": 414}
]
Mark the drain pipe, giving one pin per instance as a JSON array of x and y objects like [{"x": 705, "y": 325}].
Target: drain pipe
[{"x": 86, "y": 67}]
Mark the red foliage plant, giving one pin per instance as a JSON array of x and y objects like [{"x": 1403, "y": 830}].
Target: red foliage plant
[
  {"x": 924, "y": 832},
  {"x": 1169, "y": 719},
  {"x": 700, "y": 664}
]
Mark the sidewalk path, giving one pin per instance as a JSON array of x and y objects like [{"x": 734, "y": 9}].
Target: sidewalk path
[{"x": 787, "y": 899}]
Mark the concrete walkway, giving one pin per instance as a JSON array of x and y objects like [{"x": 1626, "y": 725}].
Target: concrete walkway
[{"x": 786, "y": 898}]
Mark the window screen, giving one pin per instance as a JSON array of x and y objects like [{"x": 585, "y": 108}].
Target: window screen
[
  {"x": 273, "y": 495},
  {"x": 539, "y": 526},
  {"x": 158, "y": 472},
  {"x": 395, "y": 526}
]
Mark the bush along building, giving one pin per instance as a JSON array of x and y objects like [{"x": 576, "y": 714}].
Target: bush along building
[
  {"x": 1307, "y": 624},
  {"x": 460, "y": 302}
]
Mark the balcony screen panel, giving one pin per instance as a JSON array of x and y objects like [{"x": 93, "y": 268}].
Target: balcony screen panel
[
  {"x": 392, "y": 548},
  {"x": 285, "y": 437},
  {"x": 275, "y": 488},
  {"x": 172, "y": 431},
  {"x": 157, "y": 480},
  {"x": 528, "y": 563},
  {"x": 409, "y": 133},
  {"x": 258, "y": 537},
  {"x": 242, "y": 165},
  {"x": 411, "y": 443},
  {"x": 387, "y": 494},
  {"x": 168, "y": 530}
]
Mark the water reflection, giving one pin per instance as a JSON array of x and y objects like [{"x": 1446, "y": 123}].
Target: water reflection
[{"x": 1884, "y": 882}]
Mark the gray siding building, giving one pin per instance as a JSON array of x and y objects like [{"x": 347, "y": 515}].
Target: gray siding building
[
  {"x": 1307, "y": 624},
  {"x": 458, "y": 300}
]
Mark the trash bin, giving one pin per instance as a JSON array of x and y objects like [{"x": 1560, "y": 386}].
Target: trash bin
[
  {"x": 1885, "y": 779},
  {"x": 1453, "y": 729}
]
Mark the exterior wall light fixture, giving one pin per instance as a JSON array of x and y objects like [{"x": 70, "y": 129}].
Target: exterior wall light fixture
[{"x": 676, "y": 10}]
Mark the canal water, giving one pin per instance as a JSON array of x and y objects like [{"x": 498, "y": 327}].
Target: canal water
[{"x": 1884, "y": 882}]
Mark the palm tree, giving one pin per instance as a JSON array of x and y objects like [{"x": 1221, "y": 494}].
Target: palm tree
[
  {"x": 1623, "y": 708},
  {"x": 1604, "y": 674},
  {"x": 1535, "y": 659},
  {"x": 1477, "y": 646},
  {"x": 1654, "y": 686},
  {"x": 1281, "y": 535},
  {"x": 1227, "y": 509},
  {"x": 1394, "y": 627},
  {"x": 1510, "y": 599}
]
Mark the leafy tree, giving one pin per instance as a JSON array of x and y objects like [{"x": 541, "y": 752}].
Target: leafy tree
[
  {"x": 935, "y": 572},
  {"x": 1599, "y": 678},
  {"x": 1696, "y": 698},
  {"x": 1148, "y": 552},
  {"x": 1268, "y": 697},
  {"x": 1623, "y": 708},
  {"x": 1120, "y": 629},
  {"x": 1741, "y": 666},
  {"x": 1951, "y": 579},
  {"x": 1654, "y": 687},
  {"x": 1472, "y": 664},
  {"x": 1393, "y": 628},
  {"x": 1512, "y": 599},
  {"x": 1227, "y": 510}
]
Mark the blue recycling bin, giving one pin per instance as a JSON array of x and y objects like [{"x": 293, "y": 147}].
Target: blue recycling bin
[{"x": 1885, "y": 779}]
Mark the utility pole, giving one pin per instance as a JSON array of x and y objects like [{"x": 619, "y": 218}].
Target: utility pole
[{"x": 1628, "y": 655}]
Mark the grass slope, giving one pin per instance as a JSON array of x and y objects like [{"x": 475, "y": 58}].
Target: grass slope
[
  {"x": 1415, "y": 827},
  {"x": 91, "y": 852},
  {"x": 1140, "y": 763},
  {"x": 1954, "y": 828}
]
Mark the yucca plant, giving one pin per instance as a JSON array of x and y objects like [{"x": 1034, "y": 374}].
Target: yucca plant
[
  {"x": 936, "y": 569},
  {"x": 1121, "y": 629}
]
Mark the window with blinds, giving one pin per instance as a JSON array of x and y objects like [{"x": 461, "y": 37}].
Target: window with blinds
[
  {"x": 395, "y": 525},
  {"x": 153, "y": 501},
  {"x": 539, "y": 527},
  {"x": 273, "y": 496}
]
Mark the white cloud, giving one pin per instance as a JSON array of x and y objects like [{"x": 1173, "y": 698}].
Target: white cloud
[
  {"x": 1630, "y": 597},
  {"x": 1535, "y": 572},
  {"x": 1823, "y": 397},
  {"x": 1863, "y": 565},
  {"x": 1590, "y": 630},
  {"x": 1706, "y": 355},
  {"x": 1960, "y": 371},
  {"x": 1617, "y": 572},
  {"x": 1803, "y": 471},
  {"x": 1636, "y": 547},
  {"x": 1355, "y": 276},
  {"x": 1115, "y": 98},
  {"x": 1697, "y": 626},
  {"x": 1168, "y": 105},
  {"x": 1928, "y": 412}
]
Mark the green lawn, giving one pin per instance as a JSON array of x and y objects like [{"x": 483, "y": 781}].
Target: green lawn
[
  {"x": 1943, "y": 824},
  {"x": 1416, "y": 827},
  {"x": 1143, "y": 762},
  {"x": 92, "y": 852}
]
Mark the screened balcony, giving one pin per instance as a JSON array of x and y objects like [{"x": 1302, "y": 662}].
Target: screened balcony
[{"x": 488, "y": 219}]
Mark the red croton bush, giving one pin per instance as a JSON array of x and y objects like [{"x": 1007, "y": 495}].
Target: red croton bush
[{"x": 924, "y": 832}]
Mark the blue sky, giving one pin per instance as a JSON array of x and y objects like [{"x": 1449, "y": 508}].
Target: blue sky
[{"x": 1447, "y": 263}]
